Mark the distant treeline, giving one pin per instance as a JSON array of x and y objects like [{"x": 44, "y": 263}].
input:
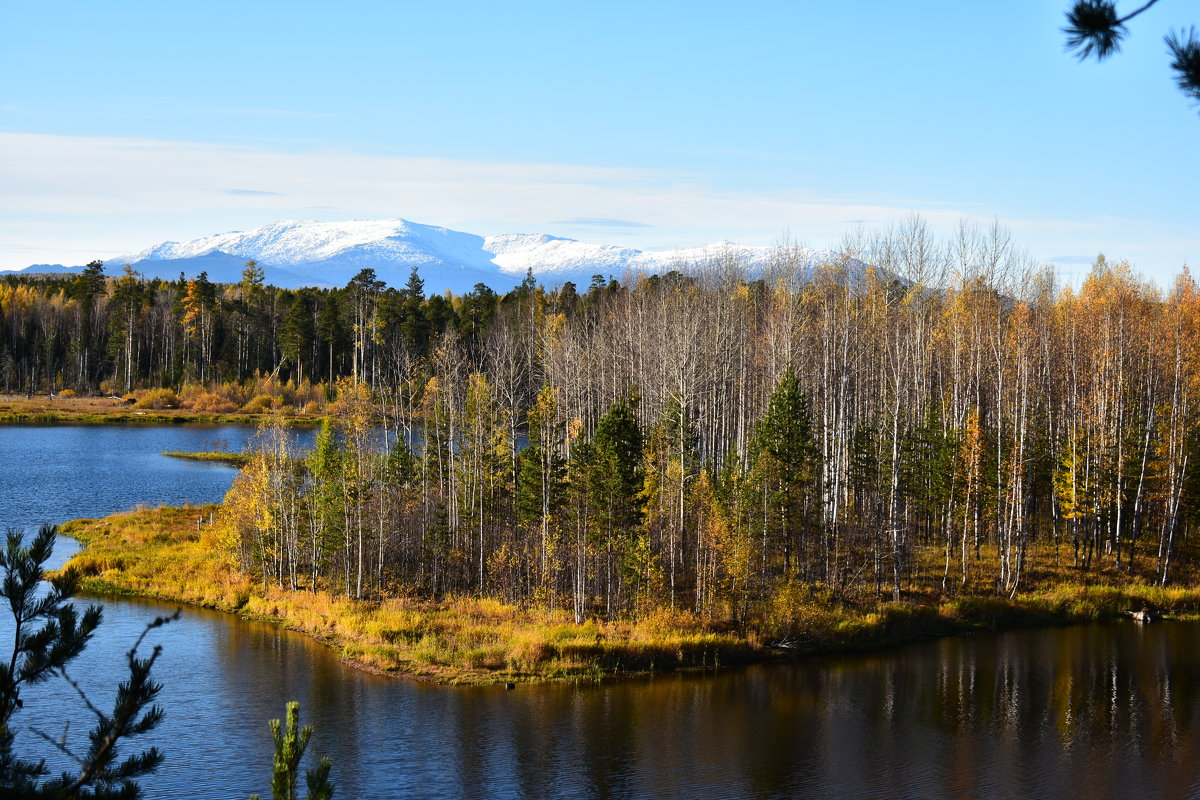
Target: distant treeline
[
  {"x": 698, "y": 439},
  {"x": 96, "y": 332}
]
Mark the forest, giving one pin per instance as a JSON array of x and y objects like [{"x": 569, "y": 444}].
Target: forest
[{"x": 947, "y": 420}]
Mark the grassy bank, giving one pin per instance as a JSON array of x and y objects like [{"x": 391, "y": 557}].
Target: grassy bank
[
  {"x": 46, "y": 410},
  {"x": 232, "y": 459},
  {"x": 168, "y": 553},
  {"x": 164, "y": 553}
]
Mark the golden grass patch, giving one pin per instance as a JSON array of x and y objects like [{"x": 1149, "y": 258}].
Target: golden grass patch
[{"x": 170, "y": 554}]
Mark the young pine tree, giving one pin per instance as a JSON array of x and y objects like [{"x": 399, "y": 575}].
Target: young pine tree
[{"x": 290, "y": 743}]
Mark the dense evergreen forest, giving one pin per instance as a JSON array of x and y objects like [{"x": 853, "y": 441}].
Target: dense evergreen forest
[{"x": 698, "y": 439}]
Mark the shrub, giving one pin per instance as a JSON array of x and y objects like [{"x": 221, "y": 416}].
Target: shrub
[
  {"x": 68, "y": 393},
  {"x": 158, "y": 398},
  {"x": 259, "y": 404},
  {"x": 211, "y": 401}
]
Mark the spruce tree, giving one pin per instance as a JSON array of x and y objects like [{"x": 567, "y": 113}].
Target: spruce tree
[
  {"x": 296, "y": 337},
  {"x": 616, "y": 480},
  {"x": 617, "y": 457},
  {"x": 323, "y": 466},
  {"x": 785, "y": 463}
]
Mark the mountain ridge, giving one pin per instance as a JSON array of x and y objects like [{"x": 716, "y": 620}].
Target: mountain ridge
[{"x": 296, "y": 253}]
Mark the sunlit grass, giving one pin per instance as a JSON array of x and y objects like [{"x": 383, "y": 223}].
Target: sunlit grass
[
  {"x": 163, "y": 553},
  {"x": 232, "y": 459},
  {"x": 169, "y": 553},
  {"x": 75, "y": 410},
  {"x": 157, "y": 553}
]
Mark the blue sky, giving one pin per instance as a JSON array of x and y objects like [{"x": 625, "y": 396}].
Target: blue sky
[{"x": 644, "y": 124}]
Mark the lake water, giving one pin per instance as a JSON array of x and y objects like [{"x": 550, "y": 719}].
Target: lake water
[{"x": 1105, "y": 711}]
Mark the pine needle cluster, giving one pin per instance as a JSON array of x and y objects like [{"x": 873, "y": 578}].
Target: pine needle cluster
[{"x": 1094, "y": 28}]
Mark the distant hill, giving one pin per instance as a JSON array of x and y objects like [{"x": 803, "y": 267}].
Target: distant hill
[{"x": 295, "y": 254}]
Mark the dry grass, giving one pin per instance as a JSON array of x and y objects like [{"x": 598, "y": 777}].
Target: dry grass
[
  {"x": 163, "y": 553},
  {"x": 232, "y": 459},
  {"x": 157, "y": 553},
  {"x": 46, "y": 410}
]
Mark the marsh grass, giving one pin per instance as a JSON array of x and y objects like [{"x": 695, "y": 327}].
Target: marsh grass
[
  {"x": 61, "y": 408},
  {"x": 232, "y": 459},
  {"x": 171, "y": 554},
  {"x": 160, "y": 553}
]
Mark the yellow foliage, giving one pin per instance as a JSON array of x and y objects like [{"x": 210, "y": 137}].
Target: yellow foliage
[{"x": 157, "y": 398}]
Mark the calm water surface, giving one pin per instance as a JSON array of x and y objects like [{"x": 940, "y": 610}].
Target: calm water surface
[{"x": 1100, "y": 712}]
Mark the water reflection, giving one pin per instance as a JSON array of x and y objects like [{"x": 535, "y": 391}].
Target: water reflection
[{"x": 1103, "y": 711}]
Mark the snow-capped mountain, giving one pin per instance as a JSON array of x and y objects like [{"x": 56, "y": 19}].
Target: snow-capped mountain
[{"x": 294, "y": 254}]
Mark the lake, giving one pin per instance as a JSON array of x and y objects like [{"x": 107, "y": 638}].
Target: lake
[{"x": 1103, "y": 711}]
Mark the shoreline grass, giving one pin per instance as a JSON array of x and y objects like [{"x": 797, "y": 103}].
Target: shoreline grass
[
  {"x": 45, "y": 410},
  {"x": 231, "y": 459},
  {"x": 166, "y": 554},
  {"x": 169, "y": 554}
]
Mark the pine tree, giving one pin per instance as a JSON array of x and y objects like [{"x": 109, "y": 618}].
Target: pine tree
[
  {"x": 85, "y": 289},
  {"x": 331, "y": 333},
  {"x": 48, "y": 634},
  {"x": 298, "y": 333},
  {"x": 323, "y": 467},
  {"x": 363, "y": 291},
  {"x": 785, "y": 465},
  {"x": 128, "y": 296},
  {"x": 415, "y": 326},
  {"x": 616, "y": 480},
  {"x": 290, "y": 743},
  {"x": 1094, "y": 28},
  {"x": 199, "y": 307}
]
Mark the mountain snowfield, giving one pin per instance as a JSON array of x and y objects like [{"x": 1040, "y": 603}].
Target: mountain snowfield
[{"x": 294, "y": 254}]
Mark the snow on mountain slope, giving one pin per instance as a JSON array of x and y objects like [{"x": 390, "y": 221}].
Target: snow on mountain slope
[
  {"x": 552, "y": 256},
  {"x": 555, "y": 259},
  {"x": 288, "y": 243},
  {"x": 331, "y": 253}
]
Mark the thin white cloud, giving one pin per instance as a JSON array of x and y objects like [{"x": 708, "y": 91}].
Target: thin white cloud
[{"x": 107, "y": 196}]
